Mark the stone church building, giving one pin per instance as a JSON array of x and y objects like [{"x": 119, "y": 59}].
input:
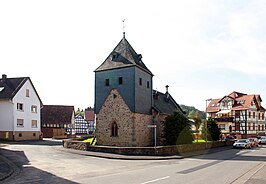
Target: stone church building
[{"x": 125, "y": 103}]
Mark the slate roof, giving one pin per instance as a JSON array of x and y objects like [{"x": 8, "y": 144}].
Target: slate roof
[
  {"x": 164, "y": 103},
  {"x": 123, "y": 55},
  {"x": 10, "y": 86},
  {"x": 57, "y": 114}
]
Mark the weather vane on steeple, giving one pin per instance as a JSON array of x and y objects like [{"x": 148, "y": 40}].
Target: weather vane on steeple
[{"x": 124, "y": 27}]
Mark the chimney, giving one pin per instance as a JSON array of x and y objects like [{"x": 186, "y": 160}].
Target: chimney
[
  {"x": 3, "y": 76},
  {"x": 166, "y": 88}
]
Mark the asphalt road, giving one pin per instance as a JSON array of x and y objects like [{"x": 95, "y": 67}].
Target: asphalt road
[{"x": 45, "y": 162}]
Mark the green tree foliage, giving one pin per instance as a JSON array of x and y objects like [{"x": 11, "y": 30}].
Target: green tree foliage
[
  {"x": 177, "y": 130},
  {"x": 194, "y": 115},
  {"x": 80, "y": 112},
  {"x": 213, "y": 131},
  {"x": 188, "y": 109},
  {"x": 196, "y": 118}
]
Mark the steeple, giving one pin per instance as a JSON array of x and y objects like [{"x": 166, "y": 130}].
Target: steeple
[{"x": 122, "y": 56}]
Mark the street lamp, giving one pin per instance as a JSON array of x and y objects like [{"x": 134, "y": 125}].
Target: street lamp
[{"x": 206, "y": 121}]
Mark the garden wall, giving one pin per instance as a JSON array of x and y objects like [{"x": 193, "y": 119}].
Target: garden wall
[{"x": 160, "y": 150}]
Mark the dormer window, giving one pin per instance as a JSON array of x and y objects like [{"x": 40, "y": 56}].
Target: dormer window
[
  {"x": 114, "y": 56},
  {"x": 140, "y": 57},
  {"x": 2, "y": 88}
]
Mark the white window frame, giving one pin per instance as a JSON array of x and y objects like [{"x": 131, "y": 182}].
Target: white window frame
[
  {"x": 34, "y": 123},
  {"x": 20, "y": 122},
  {"x": 20, "y": 107},
  {"x": 34, "y": 109}
]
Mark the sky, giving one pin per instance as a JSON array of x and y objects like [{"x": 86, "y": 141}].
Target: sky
[{"x": 201, "y": 48}]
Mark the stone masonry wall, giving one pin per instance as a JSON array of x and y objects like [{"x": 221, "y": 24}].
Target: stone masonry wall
[
  {"x": 132, "y": 127},
  {"x": 143, "y": 133},
  {"x": 113, "y": 110}
]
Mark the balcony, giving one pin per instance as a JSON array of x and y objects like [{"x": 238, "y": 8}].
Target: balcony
[{"x": 224, "y": 119}]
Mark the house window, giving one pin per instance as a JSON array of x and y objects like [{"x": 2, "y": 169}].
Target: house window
[
  {"x": 27, "y": 93},
  {"x": 237, "y": 113},
  {"x": 249, "y": 114},
  {"x": 258, "y": 115},
  {"x": 20, "y": 134},
  {"x": 34, "y": 134},
  {"x": 258, "y": 127},
  {"x": 107, "y": 82},
  {"x": 262, "y": 127},
  {"x": 20, "y": 122},
  {"x": 148, "y": 84},
  {"x": 114, "y": 130},
  {"x": 254, "y": 128},
  {"x": 34, "y": 108},
  {"x": 34, "y": 123},
  {"x": 120, "y": 80},
  {"x": 140, "y": 81},
  {"x": 20, "y": 106},
  {"x": 249, "y": 127},
  {"x": 262, "y": 116},
  {"x": 253, "y": 114}
]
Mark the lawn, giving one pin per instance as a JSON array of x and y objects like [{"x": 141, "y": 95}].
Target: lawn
[{"x": 200, "y": 140}]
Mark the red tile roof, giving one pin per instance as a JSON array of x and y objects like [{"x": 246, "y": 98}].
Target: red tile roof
[
  {"x": 89, "y": 115},
  {"x": 212, "y": 107},
  {"x": 241, "y": 102}
]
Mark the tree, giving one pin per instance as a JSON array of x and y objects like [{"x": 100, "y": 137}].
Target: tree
[
  {"x": 177, "y": 130},
  {"x": 213, "y": 131},
  {"x": 188, "y": 109},
  {"x": 79, "y": 112},
  {"x": 195, "y": 116}
]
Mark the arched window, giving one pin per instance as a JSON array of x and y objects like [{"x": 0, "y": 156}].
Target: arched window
[{"x": 114, "y": 132}]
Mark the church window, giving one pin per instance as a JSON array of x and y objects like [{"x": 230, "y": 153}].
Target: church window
[
  {"x": 114, "y": 130},
  {"x": 120, "y": 80},
  {"x": 107, "y": 82},
  {"x": 148, "y": 84},
  {"x": 140, "y": 81}
]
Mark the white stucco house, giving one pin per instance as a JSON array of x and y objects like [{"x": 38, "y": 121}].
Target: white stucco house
[{"x": 20, "y": 109}]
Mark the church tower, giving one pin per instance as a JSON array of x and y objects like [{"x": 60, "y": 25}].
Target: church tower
[{"x": 123, "y": 98}]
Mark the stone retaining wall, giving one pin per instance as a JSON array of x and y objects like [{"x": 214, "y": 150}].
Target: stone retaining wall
[{"x": 160, "y": 150}]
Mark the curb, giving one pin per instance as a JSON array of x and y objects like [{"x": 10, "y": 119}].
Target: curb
[{"x": 117, "y": 156}]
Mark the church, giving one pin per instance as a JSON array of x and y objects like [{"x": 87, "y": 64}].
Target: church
[{"x": 126, "y": 106}]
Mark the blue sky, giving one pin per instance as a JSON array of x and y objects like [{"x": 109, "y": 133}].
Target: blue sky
[{"x": 201, "y": 48}]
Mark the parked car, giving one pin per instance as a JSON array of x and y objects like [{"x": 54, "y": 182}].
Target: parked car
[
  {"x": 230, "y": 138},
  {"x": 242, "y": 143},
  {"x": 254, "y": 142},
  {"x": 262, "y": 140}
]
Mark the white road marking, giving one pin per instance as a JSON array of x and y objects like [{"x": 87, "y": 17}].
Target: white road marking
[{"x": 158, "y": 179}]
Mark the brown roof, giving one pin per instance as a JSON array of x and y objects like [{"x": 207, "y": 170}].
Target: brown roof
[{"x": 57, "y": 114}]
